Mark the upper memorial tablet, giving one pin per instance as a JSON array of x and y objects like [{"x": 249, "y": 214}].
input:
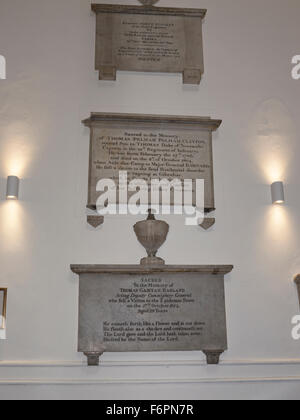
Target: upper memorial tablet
[{"x": 149, "y": 39}]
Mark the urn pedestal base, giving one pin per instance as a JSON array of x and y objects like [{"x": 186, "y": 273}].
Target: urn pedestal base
[{"x": 152, "y": 261}]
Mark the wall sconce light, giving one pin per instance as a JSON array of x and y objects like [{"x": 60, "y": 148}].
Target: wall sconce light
[
  {"x": 297, "y": 281},
  {"x": 277, "y": 191},
  {"x": 12, "y": 191}
]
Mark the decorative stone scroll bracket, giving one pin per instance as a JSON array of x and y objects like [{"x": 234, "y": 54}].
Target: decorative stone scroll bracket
[
  {"x": 95, "y": 221},
  {"x": 192, "y": 76},
  {"x": 108, "y": 73},
  {"x": 213, "y": 356},
  {"x": 297, "y": 281},
  {"x": 93, "y": 357},
  {"x": 207, "y": 223}
]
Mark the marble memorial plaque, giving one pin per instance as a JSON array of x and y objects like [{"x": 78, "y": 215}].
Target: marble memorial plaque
[
  {"x": 150, "y": 39},
  {"x": 151, "y": 147},
  {"x": 131, "y": 308}
]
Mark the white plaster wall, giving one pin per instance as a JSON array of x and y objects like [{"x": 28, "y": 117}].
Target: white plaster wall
[{"x": 51, "y": 86}]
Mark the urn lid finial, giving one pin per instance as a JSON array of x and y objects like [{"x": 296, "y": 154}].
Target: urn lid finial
[{"x": 151, "y": 216}]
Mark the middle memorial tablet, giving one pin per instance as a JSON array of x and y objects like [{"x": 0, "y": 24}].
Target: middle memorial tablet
[{"x": 149, "y": 147}]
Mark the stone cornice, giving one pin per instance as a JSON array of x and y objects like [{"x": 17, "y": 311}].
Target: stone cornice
[
  {"x": 139, "y": 269},
  {"x": 149, "y": 10}
]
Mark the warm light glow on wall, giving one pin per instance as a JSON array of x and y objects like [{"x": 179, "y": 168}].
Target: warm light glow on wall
[
  {"x": 12, "y": 225},
  {"x": 278, "y": 229},
  {"x": 14, "y": 161},
  {"x": 271, "y": 141},
  {"x": 274, "y": 163},
  {"x": 16, "y": 152},
  {"x": 271, "y": 137}
]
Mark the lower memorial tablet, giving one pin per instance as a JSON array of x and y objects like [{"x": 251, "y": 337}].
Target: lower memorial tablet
[{"x": 134, "y": 308}]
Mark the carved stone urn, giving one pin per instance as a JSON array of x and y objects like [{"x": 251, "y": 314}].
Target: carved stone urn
[{"x": 151, "y": 233}]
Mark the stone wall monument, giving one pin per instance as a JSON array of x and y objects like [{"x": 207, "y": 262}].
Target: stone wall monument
[
  {"x": 151, "y": 306},
  {"x": 151, "y": 147},
  {"x": 150, "y": 39}
]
